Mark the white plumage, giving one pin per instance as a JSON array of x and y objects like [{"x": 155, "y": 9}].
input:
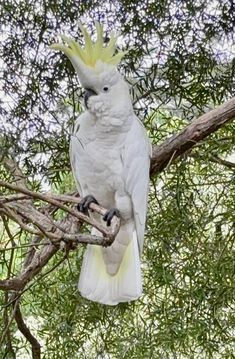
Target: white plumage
[{"x": 110, "y": 156}]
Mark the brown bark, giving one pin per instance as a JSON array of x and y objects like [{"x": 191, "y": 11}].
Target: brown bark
[
  {"x": 176, "y": 145},
  {"x": 36, "y": 347}
]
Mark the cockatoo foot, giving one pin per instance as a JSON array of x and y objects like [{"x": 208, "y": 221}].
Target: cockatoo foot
[
  {"x": 83, "y": 206},
  {"x": 110, "y": 214}
]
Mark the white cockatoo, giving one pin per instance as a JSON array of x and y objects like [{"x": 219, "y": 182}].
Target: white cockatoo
[{"x": 110, "y": 156}]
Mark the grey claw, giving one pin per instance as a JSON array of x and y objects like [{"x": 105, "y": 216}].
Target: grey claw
[
  {"x": 110, "y": 214},
  {"x": 84, "y": 205}
]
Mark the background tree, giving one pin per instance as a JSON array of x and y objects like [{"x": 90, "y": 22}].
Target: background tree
[{"x": 180, "y": 65}]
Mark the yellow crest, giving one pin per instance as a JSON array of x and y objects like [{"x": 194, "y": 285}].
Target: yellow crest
[{"x": 92, "y": 51}]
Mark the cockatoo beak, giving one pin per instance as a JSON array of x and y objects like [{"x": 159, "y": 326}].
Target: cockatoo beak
[{"x": 88, "y": 94}]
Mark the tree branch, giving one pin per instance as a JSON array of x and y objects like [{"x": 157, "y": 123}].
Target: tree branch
[
  {"x": 15, "y": 171},
  {"x": 215, "y": 159},
  {"x": 36, "y": 348},
  {"x": 37, "y": 217},
  {"x": 221, "y": 161},
  {"x": 199, "y": 129},
  {"x": 64, "y": 230}
]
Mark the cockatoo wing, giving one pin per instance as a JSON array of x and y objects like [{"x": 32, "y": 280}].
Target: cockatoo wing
[
  {"x": 77, "y": 150},
  {"x": 136, "y": 158}
]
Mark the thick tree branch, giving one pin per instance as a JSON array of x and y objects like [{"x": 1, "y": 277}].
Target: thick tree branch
[{"x": 181, "y": 142}]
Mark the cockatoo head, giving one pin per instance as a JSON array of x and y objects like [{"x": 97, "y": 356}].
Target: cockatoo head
[{"x": 96, "y": 67}]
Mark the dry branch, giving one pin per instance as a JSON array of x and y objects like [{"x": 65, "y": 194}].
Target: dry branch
[
  {"x": 197, "y": 130},
  {"x": 41, "y": 224},
  {"x": 19, "y": 178},
  {"x": 36, "y": 348},
  {"x": 58, "y": 201}
]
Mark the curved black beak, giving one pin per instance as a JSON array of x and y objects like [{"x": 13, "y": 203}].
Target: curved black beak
[{"x": 88, "y": 93}]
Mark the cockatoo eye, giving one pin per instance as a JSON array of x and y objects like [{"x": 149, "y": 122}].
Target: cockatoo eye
[{"x": 106, "y": 89}]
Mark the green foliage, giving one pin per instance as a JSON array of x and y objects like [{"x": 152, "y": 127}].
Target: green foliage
[{"x": 181, "y": 65}]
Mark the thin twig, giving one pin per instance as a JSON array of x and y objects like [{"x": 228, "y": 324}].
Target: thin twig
[
  {"x": 12, "y": 166},
  {"x": 23, "y": 246},
  {"x": 215, "y": 159}
]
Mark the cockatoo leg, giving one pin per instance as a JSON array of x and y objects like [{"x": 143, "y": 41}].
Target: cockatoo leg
[
  {"x": 110, "y": 214},
  {"x": 83, "y": 206}
]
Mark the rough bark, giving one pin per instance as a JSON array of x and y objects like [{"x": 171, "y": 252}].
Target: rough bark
[{"x": 197, "y": 130}]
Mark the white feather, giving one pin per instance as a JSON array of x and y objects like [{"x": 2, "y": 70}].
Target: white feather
[
  {"x": 96, "y": 284},
  {"x": 136, "y": 159},
  {"x": 110, "y": 156}
]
